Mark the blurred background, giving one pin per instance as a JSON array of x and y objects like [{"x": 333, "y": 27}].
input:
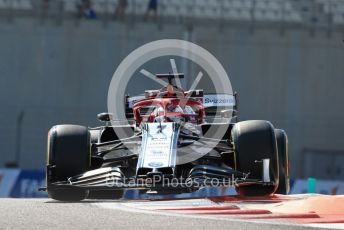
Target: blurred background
[{"x": 285, "y": 58}]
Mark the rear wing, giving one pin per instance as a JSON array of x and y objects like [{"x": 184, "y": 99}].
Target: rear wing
[
  {"x": 219, "y": 100},
  {"x": 221, "y": 105},
  {"x": 227, "y": 104}
]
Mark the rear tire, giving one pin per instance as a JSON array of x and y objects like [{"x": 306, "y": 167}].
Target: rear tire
[
  {"x": 282, "y": 146},
  {"x": 69, "y": 154},
  {"x": 253, "y": 141}
]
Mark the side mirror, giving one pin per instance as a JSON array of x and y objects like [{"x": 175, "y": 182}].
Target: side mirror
[{"x": 105, "y": 117}]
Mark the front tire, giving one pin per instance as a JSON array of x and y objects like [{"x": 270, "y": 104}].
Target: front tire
[
  {"x": 68, "y": 155},
  {"x": 253, "y": 141}
]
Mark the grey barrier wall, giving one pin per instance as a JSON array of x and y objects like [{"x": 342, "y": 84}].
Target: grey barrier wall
[{"x": 52, "y": 74}]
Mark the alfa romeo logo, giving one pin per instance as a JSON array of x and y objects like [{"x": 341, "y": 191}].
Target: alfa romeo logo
[{"x": 160, "y": 49}]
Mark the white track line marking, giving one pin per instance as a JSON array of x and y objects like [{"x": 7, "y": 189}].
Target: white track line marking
[{"x": 327, "y": 226}]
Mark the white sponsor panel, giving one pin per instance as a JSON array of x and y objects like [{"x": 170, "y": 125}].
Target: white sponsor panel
[
  {"x": 212, "y": 100},
  {"x": 158, "y": 150},
  {"x": 209, "y": 100}
]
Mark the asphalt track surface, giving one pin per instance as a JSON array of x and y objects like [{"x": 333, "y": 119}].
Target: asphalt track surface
[{"x": 49, "y": 214}]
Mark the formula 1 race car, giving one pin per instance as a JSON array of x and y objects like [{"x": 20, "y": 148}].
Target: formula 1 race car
[{"x": 176, "y": 142}]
